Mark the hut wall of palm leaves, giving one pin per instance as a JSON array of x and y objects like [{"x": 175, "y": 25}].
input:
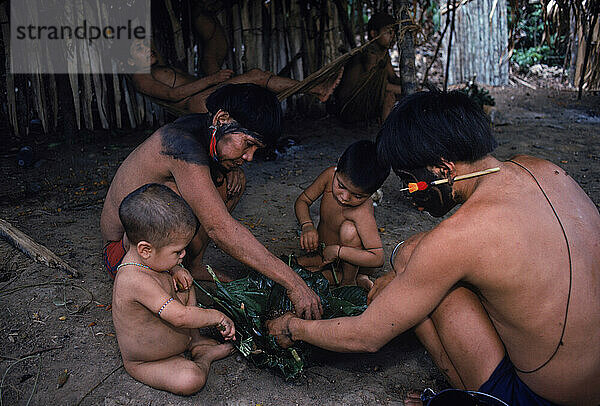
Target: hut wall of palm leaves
[{"x": 289, "y": 37}]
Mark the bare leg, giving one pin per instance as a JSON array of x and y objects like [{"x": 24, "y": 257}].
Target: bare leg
[
  {"x": 313, "y": 263},
  {"x": 428, "y": 336},
  {"x": 468, "y": 338},
  {"x": 196, "y": 249},
  {"x": 349, "y": 238},
  {"x": 458, "y": 335},
  {"x": 177, "y": 374}
]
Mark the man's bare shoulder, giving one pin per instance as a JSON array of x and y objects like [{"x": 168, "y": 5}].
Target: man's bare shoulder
[
  {"x": 534, "y": 163},
  {"x": 179, "y": 144},
  {"x": 469, "y": 230}
]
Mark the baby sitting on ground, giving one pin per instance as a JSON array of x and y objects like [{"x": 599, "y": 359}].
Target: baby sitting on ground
[
  {"x": 155, "y": 323},
  {"x": 347, "y": 225}
]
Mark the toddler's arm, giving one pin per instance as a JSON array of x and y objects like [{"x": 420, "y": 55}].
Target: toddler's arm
[
  {"x": 309, "y": 240},
  {"x": 151, "y": 295}
]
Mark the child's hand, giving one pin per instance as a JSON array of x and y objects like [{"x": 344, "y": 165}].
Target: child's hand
[
  {"x": 182, "y": 279},
  {"x": 309, "y": 240},
  {"x": 226, "y": 328},
  {"x": 330, "y": 253}
]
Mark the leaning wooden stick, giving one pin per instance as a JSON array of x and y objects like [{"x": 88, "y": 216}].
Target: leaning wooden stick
[
  {"x": 413, "y": 187},
  {"x": 32, "y": 249}
]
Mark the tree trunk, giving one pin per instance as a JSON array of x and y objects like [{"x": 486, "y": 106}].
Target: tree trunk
[
  {"x": 479, "y": 43},
  {"x": 407, "y": 52}
]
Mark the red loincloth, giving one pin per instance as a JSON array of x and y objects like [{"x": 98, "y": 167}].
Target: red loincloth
[{"x": 113, "y": 254}]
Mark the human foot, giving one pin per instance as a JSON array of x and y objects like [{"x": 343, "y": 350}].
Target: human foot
[
  {"x": 413, "y": 399},
  {"x": 324, "y": 90},
  {"x": 205, "y": 349},
  {"x": 313, "y": 263}
]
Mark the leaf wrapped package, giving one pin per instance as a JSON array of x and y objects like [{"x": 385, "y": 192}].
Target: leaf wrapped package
[{"x": 253, "y": 300}]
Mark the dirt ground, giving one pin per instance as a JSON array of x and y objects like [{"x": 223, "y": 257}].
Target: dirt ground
[{"x": 50, "y": 323}]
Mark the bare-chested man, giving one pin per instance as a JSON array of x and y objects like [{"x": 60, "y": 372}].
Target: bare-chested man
[
  {"x": 188, "y": 92},
  {"x": 199, "y": 157},
  {"x": 504, "y": 294}
]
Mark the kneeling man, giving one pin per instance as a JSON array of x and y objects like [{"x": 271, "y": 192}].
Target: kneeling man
[
  {"x": 504, "y": 293},
  {"x": 199, "y": 157}
]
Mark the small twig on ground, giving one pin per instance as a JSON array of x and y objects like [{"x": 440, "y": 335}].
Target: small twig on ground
[
  {"x": 31, "y": 353},
  {"x": 4, "y": 292},
  {"x": 98, "y": 384}
]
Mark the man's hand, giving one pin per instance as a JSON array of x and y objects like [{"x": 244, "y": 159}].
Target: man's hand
[
  {"x": 307, "y": 304},
  {"x": 309, "y": 240},
  {"x": 280, "y": 329},
  {"x": 330, "y": 253},
  {"x": 226, "y": 328},
  {"x": 379, "y": 285},
  {"x": 220, "y": 76},
  {"x": 234, "y": 182},
  {"x": 182, "y": 279}
]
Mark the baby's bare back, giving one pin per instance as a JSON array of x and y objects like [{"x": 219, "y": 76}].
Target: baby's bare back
[{"x": 143, "y": 335}]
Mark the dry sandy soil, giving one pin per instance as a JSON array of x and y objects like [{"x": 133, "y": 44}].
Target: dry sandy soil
[{"x": 65, "y": 323}]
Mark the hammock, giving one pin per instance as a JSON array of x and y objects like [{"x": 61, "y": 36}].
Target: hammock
[
  {"x": 366, "y": 100},
  {"x": 311, "y": 80},
  {"x": 334, "y": 66}
]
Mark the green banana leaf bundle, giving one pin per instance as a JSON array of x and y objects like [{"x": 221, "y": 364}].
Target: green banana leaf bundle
[{"x": 253, "y": 300}]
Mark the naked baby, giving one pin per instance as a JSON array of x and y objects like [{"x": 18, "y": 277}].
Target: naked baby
[{"x": 155, "y": 324}]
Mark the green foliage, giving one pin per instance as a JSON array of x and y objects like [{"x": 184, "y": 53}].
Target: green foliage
[
  {"x": 526, "y": 57},
  {"x": 528, "y": 35},
  {"x": 478, "y": 94},
  {"x": 253, "y": 300}
]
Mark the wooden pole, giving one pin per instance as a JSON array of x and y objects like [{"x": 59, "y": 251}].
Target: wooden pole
[
  {"x": 450, "y": 45},
  {"x": 588, "y": 48}
]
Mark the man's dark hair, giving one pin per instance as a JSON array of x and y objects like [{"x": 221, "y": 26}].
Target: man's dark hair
[
  {"x": 156, "y": 214},
  {"x": 378, "y": 21},
  {"x": 254, "y": 107},
  {"x": 426, "y": 127},
  {"x": 359, "y": 164}
]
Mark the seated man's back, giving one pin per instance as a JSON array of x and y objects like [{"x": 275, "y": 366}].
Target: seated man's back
[{"x": 521, "y": 271}]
